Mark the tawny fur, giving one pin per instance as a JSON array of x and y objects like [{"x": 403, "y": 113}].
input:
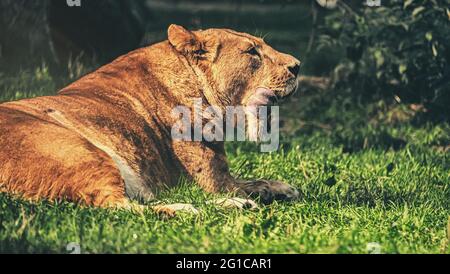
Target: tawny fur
[{"x": 106, "y": 139}]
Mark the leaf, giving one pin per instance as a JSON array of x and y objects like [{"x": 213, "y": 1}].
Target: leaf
[
  {"x": 379, "y": 58},
  {"x": 402, "y": 68},
  {"x": 407, "y": 3},
  {"x": 448, "y": 14},
  {"x": 405, "y": 26},
  {"x": 379, "y": 74},
  {"x": 434, "y": 49},
  {"x": 417, "y": 10},
  {"x": 429, "y": 36}
]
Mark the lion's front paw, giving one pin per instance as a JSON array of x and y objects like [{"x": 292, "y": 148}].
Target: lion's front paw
[{"x": 269, "y": 191}]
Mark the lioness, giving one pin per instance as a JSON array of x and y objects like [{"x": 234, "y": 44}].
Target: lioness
[{"x": 105, "y": 140}]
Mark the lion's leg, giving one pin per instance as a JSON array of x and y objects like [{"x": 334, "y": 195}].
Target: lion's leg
[
  {"x": 43, "y": 160},
  {"x": 208, "y": 166}
]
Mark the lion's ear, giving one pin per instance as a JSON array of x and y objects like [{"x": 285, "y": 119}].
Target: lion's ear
[{"x": 183, "y": 40}]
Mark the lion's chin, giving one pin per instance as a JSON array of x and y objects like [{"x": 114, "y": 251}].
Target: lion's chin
[
  {"x": 262, "y": 97},
  {"x": 291, "y": 90}
]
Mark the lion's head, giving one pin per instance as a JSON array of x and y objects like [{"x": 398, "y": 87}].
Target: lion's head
[{"x": 238, "y": 68}]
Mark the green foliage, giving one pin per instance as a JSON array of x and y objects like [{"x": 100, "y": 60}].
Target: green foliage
[{"x": 399, "y": 50}]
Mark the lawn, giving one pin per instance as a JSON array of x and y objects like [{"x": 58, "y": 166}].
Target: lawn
[{"x": 380, "y": 186}]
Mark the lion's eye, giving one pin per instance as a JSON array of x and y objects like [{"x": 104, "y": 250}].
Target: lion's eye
[{"x": 252, "y": 51}]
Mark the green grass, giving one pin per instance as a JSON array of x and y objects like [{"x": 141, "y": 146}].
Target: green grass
[{"x": 358, "y": 187}]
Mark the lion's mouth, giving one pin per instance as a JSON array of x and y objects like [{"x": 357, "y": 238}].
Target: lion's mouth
[
  {"x": 268, "y": 97},
  {"x": 264, "y": 97}
]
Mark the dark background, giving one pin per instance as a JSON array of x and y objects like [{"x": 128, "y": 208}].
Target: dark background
[{"x": 52, "y": 32}]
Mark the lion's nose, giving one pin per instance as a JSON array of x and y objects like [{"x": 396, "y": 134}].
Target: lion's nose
[{"x": 294, "y": 69}]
